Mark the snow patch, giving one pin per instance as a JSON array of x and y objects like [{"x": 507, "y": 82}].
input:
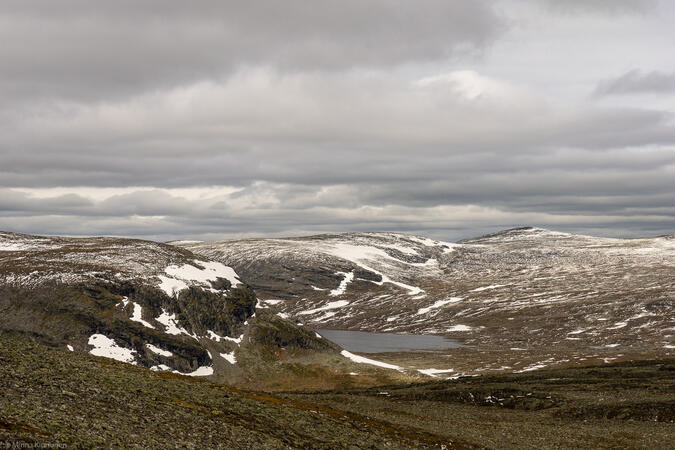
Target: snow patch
[
  {"x": 485, "y": 288},
  {"x": 235, "y": 340},
  {"x": 362, "y": 360},
  {"x": 137, "y": 316},
  {"x": 358, "y": 253},
  {"x": 158, "y": 350},
  {"x": 70, "y": 347},
  {"x": 170, "y": 323},
  {"x": 434, "y": 372},
  {"x": 459, "y": 328},
  {"x": 203, "y": 371},
  {"x": 403, "y": 249},
  {"x": 229, "y": 357},
  {"x": 108, "y": 348},
  {"x": 531, "y": 368},
  {"x": 171, "y": 285},
  {"x": 438, "y": 304},
  {"x": 273, "y": 302},
  {"x": 342, "y": 288},
  {"x": 179, "y": 276},
  {"x": 329, "y": 305}
]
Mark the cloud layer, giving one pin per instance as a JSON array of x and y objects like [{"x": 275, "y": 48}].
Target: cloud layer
[{"x": 266, "y": 118}]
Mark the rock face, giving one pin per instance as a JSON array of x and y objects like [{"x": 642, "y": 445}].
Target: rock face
[{"x": 522, "y": 298}]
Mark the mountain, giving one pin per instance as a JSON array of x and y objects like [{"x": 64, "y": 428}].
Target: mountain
[
  {"x": 126, "y": 343},
  {"x": 162, "y": 307},
  {"x": 520, "y": 299},
  {"x": 246, "y": 311}
]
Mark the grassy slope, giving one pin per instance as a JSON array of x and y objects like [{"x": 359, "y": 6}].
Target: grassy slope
[
  {"x": 623, "y": 405},
  {"x": 52, "y": 395}
]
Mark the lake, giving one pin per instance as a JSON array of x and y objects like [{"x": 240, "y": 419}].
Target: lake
[{"x": 364, "y": 342}]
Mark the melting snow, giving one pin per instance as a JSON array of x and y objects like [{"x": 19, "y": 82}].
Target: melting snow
[
  {"x": 137, "y": 314},
  {"x": 618, "y": 325},
  {"x": 358, "y": 253},
  {"x": 329, "y": 305},
  {"x": 531, "y": 368},
  {"x": 108, "y": 348},
  {"x": 171, "y": 323},
  {"x": 171, "y": 285},
  {"x": 70, "y": 347},
  {"x": 460, "y": 328},
  {"x": 485, "y": 288},
  {"x": 158, "y": 350},
  {"x": 438, "y": 304},
  {"x": 434, "y": 372},
  {"x": 180, "y": 275},
  {"x": 325, "y": 317},
  {"x": 348, "y": 278},
  {"x": 202, "y": 371},
  {"x": 229, "y": 357},
  {"x": 405, "y": 250},
  {"x": 362, "y": 360},
  {"x": 235, "y": 340}
]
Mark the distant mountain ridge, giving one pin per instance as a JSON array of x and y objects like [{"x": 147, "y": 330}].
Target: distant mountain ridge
[
  {"x": 524, "y": 297},
  {"x": 520, "y": 299}
]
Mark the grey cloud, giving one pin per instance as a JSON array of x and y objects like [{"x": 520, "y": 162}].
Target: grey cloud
[
  {"x": 301, "y": 130},
  {"x": 323, "y": 116},
  {"x": 80, "y": 49},
  {"x": 602, "y": 6},
  {"x": 637, "y": 82}
]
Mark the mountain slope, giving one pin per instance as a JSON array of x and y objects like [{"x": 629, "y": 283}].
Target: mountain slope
[
  {"x": 165, "y": 308},
  {"x": 54, "y": 397},
  {"x": 522, "y": 298}
]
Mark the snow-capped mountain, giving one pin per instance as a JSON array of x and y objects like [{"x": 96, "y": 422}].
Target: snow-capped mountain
[{"x": 521, "y": 298}]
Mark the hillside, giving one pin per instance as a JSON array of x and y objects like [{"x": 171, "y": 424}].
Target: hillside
[
  {"x": 161, "y": 307},
  {"x": 53, "y": 396},
  {"x": 522, "y": 299}
]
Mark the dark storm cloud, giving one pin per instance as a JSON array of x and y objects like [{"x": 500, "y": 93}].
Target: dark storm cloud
[{"x": 638, "y": 82}]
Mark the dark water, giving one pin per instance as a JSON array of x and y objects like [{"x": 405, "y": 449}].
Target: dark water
[{"x": 364, "y": 342}]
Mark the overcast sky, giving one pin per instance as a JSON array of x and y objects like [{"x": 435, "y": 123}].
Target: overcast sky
[{"x": 221, "y": 119}]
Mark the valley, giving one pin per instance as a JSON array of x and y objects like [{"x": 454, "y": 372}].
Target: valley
[{"x": 362, "y": 339}]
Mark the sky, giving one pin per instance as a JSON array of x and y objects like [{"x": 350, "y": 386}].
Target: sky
[{"x": 167, "y": 119}]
